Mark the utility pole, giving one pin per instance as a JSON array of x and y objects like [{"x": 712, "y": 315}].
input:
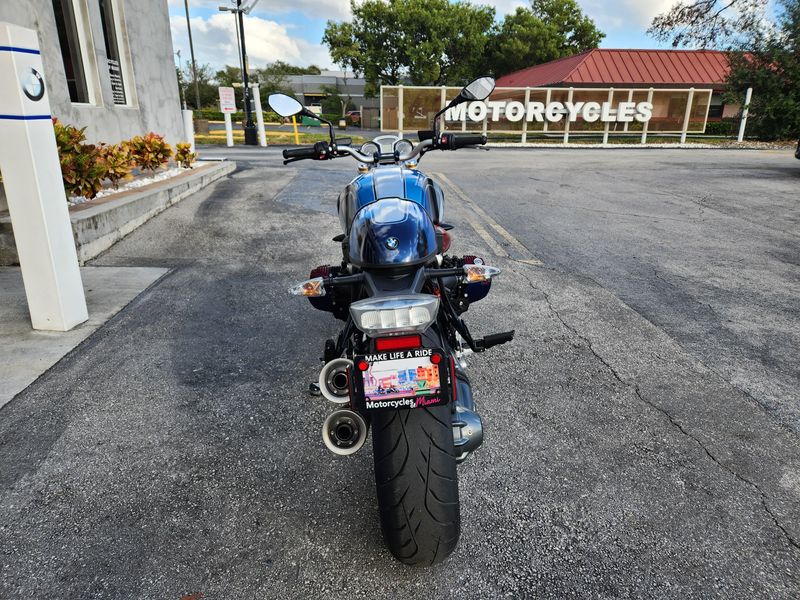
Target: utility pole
[
  {"x": 250, "y": 129},
  {"x": 194, "y": 63},
  {"x": 180, "y": 79}
]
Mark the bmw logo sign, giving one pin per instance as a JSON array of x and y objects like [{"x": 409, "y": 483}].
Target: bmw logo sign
[
  {"x": 33, "y": 85},
  {"x": 392, "y": 243}
]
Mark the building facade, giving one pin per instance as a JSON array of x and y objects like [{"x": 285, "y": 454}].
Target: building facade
[
  {"x": 312, "y": 89},
  {"x": 636, "y": 69},
  {"x": 108, "y": 64}
]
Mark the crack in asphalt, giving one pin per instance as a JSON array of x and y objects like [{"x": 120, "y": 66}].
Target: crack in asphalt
[{"x": 635, "y": 388}]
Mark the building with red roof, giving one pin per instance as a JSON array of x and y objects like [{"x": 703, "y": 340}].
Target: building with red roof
[{"x": 659, "y": 69}]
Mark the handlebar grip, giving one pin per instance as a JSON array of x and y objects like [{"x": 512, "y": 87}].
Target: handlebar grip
[
  {"x": 305, "y": 152},
  {"x": 454, "y": 141}
]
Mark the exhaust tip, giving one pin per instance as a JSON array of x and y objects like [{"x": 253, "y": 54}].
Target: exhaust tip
[
  {"x": 334, "y": 383},
  {"x": 344, "y": 432}
]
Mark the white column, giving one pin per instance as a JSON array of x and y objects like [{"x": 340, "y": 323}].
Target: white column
[
  {"x": 262, "y": 136},
  {"x": 34, "y": 189},
  {"x": 188, "y": 127},
  {"x": 228, "y": 129},
  {"x": 745, "y": 111},
  {"x": 630, "y": 99},
  {"x": 442, "y": 104},
  {"x": 608, "y": 125},
  {"x": 525, "y": 118},
  {"x": 546, "y": 102},
  {"x": 687, "y": 115},
  {"x": 646, "y": 125},
  {"x": 566, "y": 117},
  {"x": 400, "y": 110}
]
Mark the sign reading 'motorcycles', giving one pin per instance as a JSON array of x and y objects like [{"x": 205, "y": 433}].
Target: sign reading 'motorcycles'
[{"x": 552, "y": 112}]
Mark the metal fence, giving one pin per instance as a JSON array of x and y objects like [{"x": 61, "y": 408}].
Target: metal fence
[{"x": 407, "y": 109}]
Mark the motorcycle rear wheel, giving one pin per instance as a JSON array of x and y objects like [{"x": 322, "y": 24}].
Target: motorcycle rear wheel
[{"x": 416, "y": 482}]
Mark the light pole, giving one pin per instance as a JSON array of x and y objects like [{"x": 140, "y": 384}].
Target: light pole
[
  {"x": 250, "y": 130},
  {"x": 194, "y": 63},
  {"x": 180, "y": 78}
]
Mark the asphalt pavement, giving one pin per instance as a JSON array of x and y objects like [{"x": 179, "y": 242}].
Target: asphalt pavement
[{"x": 636, "y": 445}]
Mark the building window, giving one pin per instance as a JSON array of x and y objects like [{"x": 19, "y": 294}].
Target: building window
[
  {"x": 114, "y": 55},
  {"x": 71, "y": 51}
]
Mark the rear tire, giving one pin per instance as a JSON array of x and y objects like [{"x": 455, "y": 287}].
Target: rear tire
[{"x": 416, "y": 482}]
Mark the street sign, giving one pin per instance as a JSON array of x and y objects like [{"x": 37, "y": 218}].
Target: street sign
[{"x": 227, "y": 100}]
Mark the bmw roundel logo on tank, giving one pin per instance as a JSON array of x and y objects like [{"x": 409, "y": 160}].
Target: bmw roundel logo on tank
[
  {"x": 392, "y": 243},
  {"x": 33, "y": 84}
]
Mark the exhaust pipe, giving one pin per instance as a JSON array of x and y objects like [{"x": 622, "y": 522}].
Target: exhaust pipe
[
  {"x": 334, "y": 382},
  {"x": 467, "y": 424},
  {"x": 344, "y": 432}
]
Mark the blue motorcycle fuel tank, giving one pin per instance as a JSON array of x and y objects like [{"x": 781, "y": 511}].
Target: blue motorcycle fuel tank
[
  {"x": 392, "y": 233},
  {"x": 390, "y": 182}
]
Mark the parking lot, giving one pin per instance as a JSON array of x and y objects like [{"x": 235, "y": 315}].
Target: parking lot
[{"x": 641, "y": 430}]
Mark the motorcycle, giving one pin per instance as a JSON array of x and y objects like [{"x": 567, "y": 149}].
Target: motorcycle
[{"x": 398, "y": 364}]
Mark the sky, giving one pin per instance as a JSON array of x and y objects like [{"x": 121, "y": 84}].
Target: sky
[{"x": 291, "y": 31}]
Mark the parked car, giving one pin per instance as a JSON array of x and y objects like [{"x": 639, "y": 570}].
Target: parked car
[{"x": 354, "y": 116}]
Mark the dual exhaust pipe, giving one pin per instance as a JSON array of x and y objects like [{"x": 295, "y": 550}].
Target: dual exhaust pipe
[{"x": 345, "y": 431}]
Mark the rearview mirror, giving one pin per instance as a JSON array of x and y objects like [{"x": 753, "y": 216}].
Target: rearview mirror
[
  {"x": 478, "y": 89},
  {"x": 284, "y": 105}
]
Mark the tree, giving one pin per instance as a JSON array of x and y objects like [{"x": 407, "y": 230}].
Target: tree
[
  {"x": 333, "y": 102},
  {"x": 770, "y": 63},
  {"x": 708, "y": 23},
  {"x": 209, "y": 97},
  {"x": 230, "y": 75},
  {"x": 344, "y": 53},
  {"x": 428, "y": 42},
  {"x": 548, "y": 30}
]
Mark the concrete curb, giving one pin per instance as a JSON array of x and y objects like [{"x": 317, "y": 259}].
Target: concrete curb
[{"x": 97, "y": 225}]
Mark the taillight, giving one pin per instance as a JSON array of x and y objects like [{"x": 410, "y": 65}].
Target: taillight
[
  {"x": 445, "y": 238},
  {"x": 401, "y": 342}
]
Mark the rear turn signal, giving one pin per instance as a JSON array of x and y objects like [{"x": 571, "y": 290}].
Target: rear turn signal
[
  {"x": 402, "y": 342},
  {"x": 310, "y": 288},
  {"x": 476, "y": 273}
]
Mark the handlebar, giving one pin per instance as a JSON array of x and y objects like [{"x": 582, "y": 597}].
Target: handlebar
[
  {"x": 305, "y": 152},
  {"x": 324, "y": 150},
  {"x": 454, "y": 141},
  {"x": 418, "y": 149}
]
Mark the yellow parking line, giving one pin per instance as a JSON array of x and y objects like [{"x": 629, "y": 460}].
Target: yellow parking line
[
  {"x": 495, "y": 247},
  {"x": 528, "y": 257}
]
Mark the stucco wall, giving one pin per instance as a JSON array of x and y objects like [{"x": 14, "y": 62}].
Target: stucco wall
[{"x": 150, "y": 41}]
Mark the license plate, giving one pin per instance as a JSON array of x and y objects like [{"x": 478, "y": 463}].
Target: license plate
[{"x": 402, "y": 379}]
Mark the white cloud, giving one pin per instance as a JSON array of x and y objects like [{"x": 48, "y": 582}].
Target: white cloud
[
  {"x": 625, "y": 13},
  {"x": 267, "y": 41},
  {"x": 607, "y": 13},
  {"x": 319, "y": 9}
]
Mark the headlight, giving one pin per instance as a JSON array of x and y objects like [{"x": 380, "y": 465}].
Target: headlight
[{"x": 395, "y": 314}]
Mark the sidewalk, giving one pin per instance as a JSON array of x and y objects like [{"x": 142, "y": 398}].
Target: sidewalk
[{"x": 25, "y": 354}]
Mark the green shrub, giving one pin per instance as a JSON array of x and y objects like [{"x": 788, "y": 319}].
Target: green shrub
[
  {"x": 184, "y": 155},
  {"x": 237, "y": 117},
  {"x": 150, "y": 151},
  {"x": 724, "y": 127}
]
